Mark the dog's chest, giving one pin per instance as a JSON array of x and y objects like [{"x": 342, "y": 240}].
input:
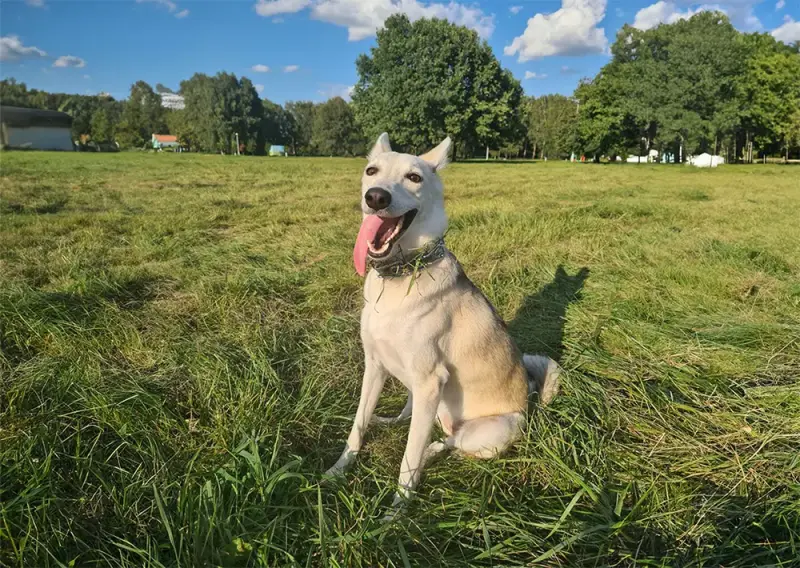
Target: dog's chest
[{"x": 403, "y": 326}]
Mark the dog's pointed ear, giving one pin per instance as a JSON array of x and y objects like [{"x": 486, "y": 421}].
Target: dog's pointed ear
[
  {"x": 439, "y": 157},
  {"x": 381, "y": 146}
]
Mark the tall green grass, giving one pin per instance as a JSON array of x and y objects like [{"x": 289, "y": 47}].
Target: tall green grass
[{"x": 179, "y": 362}]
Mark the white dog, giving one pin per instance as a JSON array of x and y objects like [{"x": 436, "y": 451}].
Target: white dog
[{"x": 426, "y": 324}]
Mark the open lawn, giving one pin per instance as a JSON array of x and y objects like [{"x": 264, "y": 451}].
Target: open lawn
[{"x": 179, "y": 362}]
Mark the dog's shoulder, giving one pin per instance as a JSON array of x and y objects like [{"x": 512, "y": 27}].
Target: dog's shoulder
[{"x": 463, "y": 282}]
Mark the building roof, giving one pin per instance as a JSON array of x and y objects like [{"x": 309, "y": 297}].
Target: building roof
[
  {"x": 165, "y": 138},
  {"x": 22, "y": 117}
]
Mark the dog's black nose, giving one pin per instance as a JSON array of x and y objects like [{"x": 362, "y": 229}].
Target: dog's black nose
[{"x": 378, "y": 198}]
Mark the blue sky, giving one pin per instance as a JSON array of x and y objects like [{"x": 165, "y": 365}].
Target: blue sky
[{"x": 310, "y": 46}]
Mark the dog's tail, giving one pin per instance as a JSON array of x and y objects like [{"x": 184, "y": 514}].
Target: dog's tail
[{"x": 543, "y": 376}]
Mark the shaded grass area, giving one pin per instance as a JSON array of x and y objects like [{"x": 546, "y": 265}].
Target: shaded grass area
[{"x": 179, "y": 362}]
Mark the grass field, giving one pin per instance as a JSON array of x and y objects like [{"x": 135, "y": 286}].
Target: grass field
[{"x": 179, "y": 362}]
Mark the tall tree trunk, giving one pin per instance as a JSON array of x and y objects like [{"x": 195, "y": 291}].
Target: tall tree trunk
[
  {"x": 487, "y": 152},
  {"x": 533, "y": 155},
  {"x": 748, "y": 156}
]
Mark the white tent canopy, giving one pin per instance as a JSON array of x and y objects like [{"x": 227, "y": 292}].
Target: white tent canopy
[
  {"x": 706, "y": 160},
  {"x": 652, "y": 156}
]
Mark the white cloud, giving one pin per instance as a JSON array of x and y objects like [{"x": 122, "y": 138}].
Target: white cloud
[
  {"x": 515, "y": 9},
  {"x": 740, "y": 13},
  {"x": 69, "y": 61},
  {"x": 780, "y": 5},
  {"x": 260, "y": 68},
  {"x": 788, "y": 32},
  {"x": 171, "y": 7},
  {"x": 11, "y": 49},
  {"x": 336, "y": 90},
  {"x": 291, "y": 68},
  {"x": 363, "y": 18},
  {"x": 169, "y": 4},
  {"x": 259, "y": 88},
  {"x": 35, "y": 3},
  {"x": 666, "y": 13},
  {"x": 533, "y": 75},
  {"x": 268, "y": 8},
  {"x": 571, "y": 30}
]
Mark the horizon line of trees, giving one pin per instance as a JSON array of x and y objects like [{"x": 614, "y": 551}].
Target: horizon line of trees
[
  {"x": 216, "y": 110},
  {"x": 683, "y": 88}
]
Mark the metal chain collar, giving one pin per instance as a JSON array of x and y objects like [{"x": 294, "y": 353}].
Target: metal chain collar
[{"x": 409, "y": 262}]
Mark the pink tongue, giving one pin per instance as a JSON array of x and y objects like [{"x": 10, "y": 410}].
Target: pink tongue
[{"x": 369, "y": 229}]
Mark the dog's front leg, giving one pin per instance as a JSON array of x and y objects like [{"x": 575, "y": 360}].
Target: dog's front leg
[
  {"x": 425, "y": 401},
  {"x": 371, "y": 387}
]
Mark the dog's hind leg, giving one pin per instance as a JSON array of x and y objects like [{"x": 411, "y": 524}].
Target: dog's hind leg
[
  {"x": 488, "y": 436},
  {"x": 405, "y": 414}
]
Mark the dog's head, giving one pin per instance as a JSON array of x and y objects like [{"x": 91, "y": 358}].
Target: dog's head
[{"x": 402, "y": 200}]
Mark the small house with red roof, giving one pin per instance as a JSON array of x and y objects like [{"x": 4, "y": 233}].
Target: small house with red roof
[{"x": 165, "y": 141}]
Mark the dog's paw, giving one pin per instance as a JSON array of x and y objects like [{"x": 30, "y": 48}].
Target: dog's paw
[
  {"x": 342, "y": 464},
  {"x": 394, "y": 512},
  {"x": 390, "y": 517},
  {"x": 335, "y": 471}
]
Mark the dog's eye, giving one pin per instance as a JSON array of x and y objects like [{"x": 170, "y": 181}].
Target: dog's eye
[
  {"x": 414, "y": 177},
  {"x": 371, "y": 171}
]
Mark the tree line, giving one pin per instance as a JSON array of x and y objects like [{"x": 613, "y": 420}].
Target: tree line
[
  {"x": 683, "y": 88},
  {"x": 692, "y": 86},
  {"x": 218, "y": 111}
]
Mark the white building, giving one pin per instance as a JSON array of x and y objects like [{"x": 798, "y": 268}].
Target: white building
[
  {"x": 35, "y": 129},
  {"x": 173, "y": 101}
]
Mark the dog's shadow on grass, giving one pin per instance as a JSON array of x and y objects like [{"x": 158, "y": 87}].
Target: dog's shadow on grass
[{"x": 538, "y": 326}]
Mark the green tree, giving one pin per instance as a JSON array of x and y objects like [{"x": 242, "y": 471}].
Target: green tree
[
  {"x": 793, "y": 132},
  {"x": 302, "y": 118},
  {"x": 276, "y": 124},
  {"x": 429, "y": 79},
  {"x": 16, "y": 94},
  {"x": 198, "y": 96},
  {"x": 551, "y": 125},
  {"x": 335, "y": 130},
  {"x": 673, "y": 86},
  {"x": 769, "y": 93},
  {"x": 219, "y": 107},
  {"x": 248, "y": 115},
  {"x": 142, "y": 116},
  {"x": 179, "y": 125},
  {"x": 102, "y": 127}
]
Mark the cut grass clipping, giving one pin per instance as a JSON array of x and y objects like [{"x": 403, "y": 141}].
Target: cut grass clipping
[{"x": 180, "y": 362}]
